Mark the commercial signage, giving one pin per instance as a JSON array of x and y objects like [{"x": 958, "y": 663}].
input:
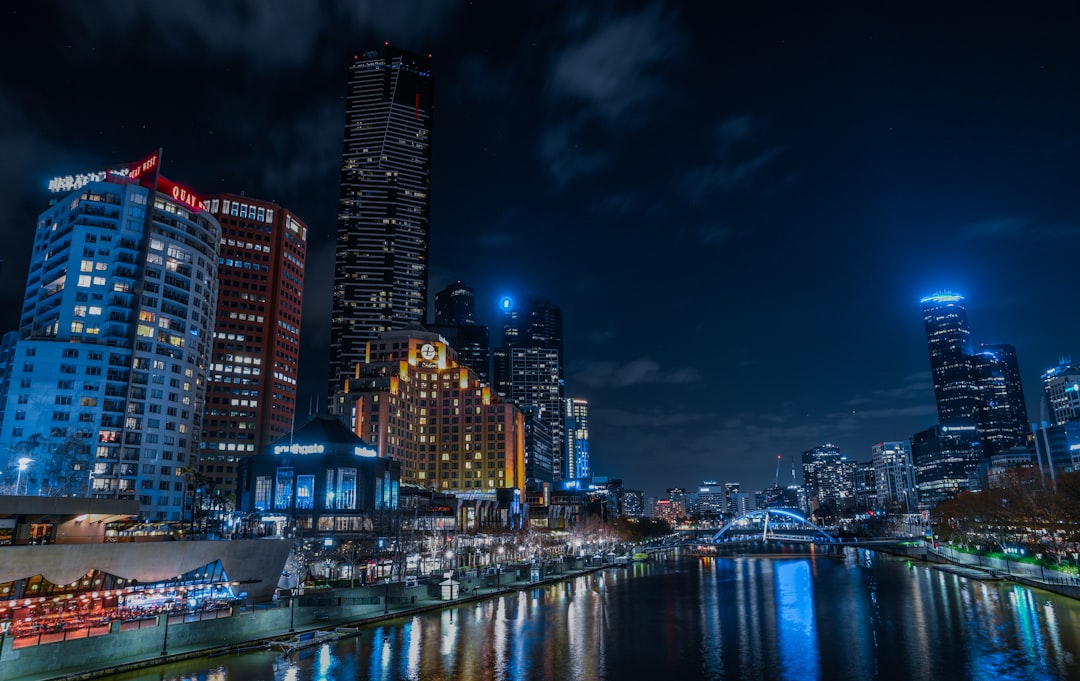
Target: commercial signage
[
  {"x": 145, "y": 172},
  {"x": 299, "y": 449}
]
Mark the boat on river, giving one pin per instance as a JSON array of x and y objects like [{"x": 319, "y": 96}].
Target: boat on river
[
  {"x": 308, "y": 639},
  {"x": 640, "y": 557}
]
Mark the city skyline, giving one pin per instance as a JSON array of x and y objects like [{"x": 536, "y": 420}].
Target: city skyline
[{"x": 737, "y": 221}]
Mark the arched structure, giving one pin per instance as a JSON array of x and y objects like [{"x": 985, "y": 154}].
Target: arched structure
[{"x": 772, "y": 523}]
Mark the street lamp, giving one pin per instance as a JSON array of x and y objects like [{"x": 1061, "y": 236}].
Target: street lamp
[
  {"x": 165, "y": 640},
  {"x": 498, "y": 564},
  {"x": 24, "y": 463}
]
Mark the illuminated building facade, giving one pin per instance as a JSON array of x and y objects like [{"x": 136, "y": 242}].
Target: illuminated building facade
[
  {"x": 321, "y": 478},
  {"x": 414, "y": 403},
  {"x": 527, "y": 369},
  {"x": 381, "y": 265},
  {"x": 108, "y": 376},
  {"x": 1061, "y": 393},
  {"x": 946, "y": 459},
  {"x": 576, "y": 430},
  {"x": 895, "y": 476},
  {"x": 828, "y": 477},
  {"x": 949, "y": 342},
  {"x": 251, "y": 387},
  {"x": 1003, "y": 417}
]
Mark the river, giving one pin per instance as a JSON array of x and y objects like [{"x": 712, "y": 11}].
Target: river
[{"x": 785, "y": 617}]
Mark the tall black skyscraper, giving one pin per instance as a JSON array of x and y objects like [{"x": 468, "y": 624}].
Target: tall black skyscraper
[
  {"x": 528, "y": 367},
  {"x": 1003, "y": 417},
  {"x": 381, "y": 264},
  {"x": 455, "y": 320},
  {"x": 951, "y": 365}
]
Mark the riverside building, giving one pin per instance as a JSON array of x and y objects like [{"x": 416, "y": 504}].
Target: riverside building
[
  {"x": 412, "y": 401},
  {"x": 252, "y": 382},
  {"x": 108, "y": 376}
]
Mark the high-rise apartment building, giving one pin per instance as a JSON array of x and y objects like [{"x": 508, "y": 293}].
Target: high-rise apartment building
[
  {"x": 528, "y": 367},
  {"x": 109, "y": 373},
  {"x": 895, "y": 476},
  {"x": 949, "y": 342},
  {"x": 251, "y": 387},
  {"x": 576, "y": 430},
  {"x": 1061, "y": 393},
  {"x": 828, "y": 477},
  {"x": 381, "y": 262},
  {"x": 415, "y": 403}
]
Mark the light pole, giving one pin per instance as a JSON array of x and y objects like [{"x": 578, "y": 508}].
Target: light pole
[
  {"x": 24, "y": 463},
  {"x": 498, "y": 565},
  {"x": 165, "y": 640}
]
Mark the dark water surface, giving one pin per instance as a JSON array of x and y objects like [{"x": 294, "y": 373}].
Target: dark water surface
[{"x": 803, "y": 617}]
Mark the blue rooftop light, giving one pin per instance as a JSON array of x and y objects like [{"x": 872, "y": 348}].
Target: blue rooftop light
[
  {"x": 943, "y": 297},
  {"x": 506, "y": 303}
]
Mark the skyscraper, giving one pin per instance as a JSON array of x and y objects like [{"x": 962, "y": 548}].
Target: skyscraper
[
  {"x": 251, "y": 386},
  {"x": 528, "y": 367},
  {"x": 829, "y": 478},
  {"x": 577, "y": 438},
  {"x": 455, "y": 319},
  {"x": 895, "y": 476},
  {"x": 949, "y": 342},
  {"x": 1061, "y": 393},
  {"x": 946, "y": 459},
  {"x": 1003, "y": 417},
  {"x": 381, "y": 263},
  {"x": 108, "y": 383}
]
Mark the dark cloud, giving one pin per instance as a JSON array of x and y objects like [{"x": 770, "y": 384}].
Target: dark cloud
[{"x": 640, "y": 371}]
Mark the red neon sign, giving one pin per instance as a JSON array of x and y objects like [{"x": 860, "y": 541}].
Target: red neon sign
[{"x": 179, "y": 194}]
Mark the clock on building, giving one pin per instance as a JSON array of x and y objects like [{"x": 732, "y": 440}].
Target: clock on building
[{"x": 427, "y": 351}]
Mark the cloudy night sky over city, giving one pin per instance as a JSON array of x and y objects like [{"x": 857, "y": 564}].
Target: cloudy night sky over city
[{"x": 737, "y": 208}]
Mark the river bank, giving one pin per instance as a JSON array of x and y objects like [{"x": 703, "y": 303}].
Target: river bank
[{"x": 257, "y": 627}]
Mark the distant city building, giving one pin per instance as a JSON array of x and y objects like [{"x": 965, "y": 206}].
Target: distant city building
[
  {"x": 414, "y": 403},
  {"x": 895, "y": 476},
  {"x": 828, "y": 477},
  {"x": 710, "y": 500},
  {"x": 576, "y": 430},
  {"x": 107, "y": 386},
  {"x": 1057, "y": 448},
  {"x": 731, "y": 498},
  {"x": 946, "y": 459},
  {"x": 607, "y": 493},
  {"x": 791, "y": 498},
  {"x": 679, "y": 499},
  {"x": 539, "y": 449},
  {"x": 864, "y": 481},
  {"x": 381, "y": 254},
  {"x": 455, "y": 320},
  {"x": 528, "y": 367},
  {"x": 1003, "y": 418},
  {"x": 251, "y": 387},
  {"x": 633, "y": 503},
  {"x": 1061, "y": 393},
  {"x": 949, "y": 342},
  {"x": 321, "y": 478}
]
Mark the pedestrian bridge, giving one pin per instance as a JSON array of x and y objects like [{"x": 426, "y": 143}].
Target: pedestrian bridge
[{"x": 772, "y": 524}]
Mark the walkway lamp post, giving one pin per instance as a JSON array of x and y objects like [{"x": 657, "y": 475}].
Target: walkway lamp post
[
  {"x": 165, "y": 640},
  {"x": 498, "y": 564}
]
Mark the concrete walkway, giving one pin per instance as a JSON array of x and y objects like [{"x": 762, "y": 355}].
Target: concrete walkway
[{"x": 314, "y": 611}]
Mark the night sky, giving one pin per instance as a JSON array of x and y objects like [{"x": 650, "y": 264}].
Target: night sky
[{"x": 737, "y": 208}]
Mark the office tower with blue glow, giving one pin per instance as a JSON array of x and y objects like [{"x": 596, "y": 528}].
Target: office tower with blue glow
[
  {"x": 252, "y": 383},
  {"x": 527, "y": 368},
  {"x": 1003, "y": 417},
  {"x": 829, "y": 478},
  {"x": 951, "y": 366},
  {"x": 381, "y": 258},
  {"x": 109, "y": 373},
  {"x": 455, "y": 320},
  {"x": 577, "y": 439}
]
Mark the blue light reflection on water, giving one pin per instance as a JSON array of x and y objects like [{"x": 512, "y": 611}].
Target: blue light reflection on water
[{"x": 806, "y": 617}]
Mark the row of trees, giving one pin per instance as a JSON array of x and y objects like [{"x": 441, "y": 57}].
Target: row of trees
[{"x": 1025, "y": 509}]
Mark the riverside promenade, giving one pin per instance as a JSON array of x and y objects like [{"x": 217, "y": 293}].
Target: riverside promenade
[{"x": 255, "y": 627}]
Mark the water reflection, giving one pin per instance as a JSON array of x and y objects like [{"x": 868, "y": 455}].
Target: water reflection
[{"x": 799, "y": 617}]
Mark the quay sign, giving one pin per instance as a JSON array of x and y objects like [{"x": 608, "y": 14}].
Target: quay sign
[
  {"x": 140, "y": 172},
  {"x": 299, "y": 449}
]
